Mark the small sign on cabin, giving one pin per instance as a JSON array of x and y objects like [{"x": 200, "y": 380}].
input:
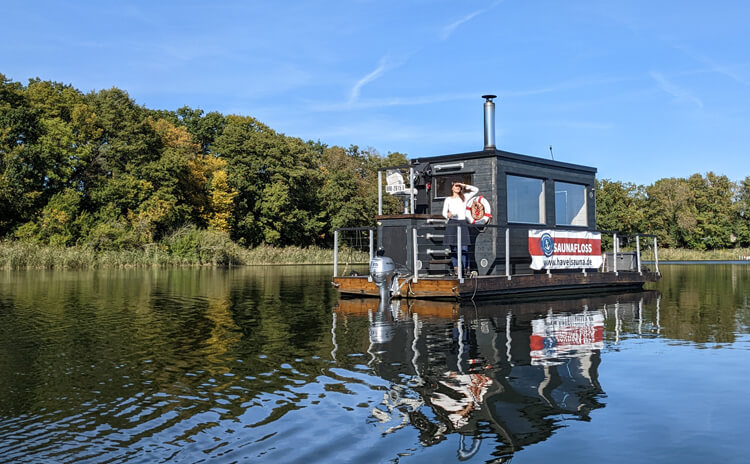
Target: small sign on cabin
[{"x": 394, "y": 182}]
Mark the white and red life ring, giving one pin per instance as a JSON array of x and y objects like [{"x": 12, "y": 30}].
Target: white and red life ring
[{"x": 478, "y": 211}]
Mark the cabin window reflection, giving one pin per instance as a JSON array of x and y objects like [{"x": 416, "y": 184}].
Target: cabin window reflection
[
  {"x": 442, "y": 187},
  {"x": 525, "y": 200},
  {"x": 570, "y": 204}
]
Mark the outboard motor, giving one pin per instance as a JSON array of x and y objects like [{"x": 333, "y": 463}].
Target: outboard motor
[{"x": 382, "y": 271}]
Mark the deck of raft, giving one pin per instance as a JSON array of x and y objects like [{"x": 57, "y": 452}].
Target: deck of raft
[{"x": 484, "y": 286}]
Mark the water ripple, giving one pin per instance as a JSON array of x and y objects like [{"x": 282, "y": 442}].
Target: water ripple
[{"x": 186, "y": 366}]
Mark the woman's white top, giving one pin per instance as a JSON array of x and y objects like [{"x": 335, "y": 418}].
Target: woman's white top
[{"x": 456, "y": 206}]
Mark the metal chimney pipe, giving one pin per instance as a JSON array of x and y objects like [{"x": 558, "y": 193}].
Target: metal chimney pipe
[{"x": 489, "y": 122}]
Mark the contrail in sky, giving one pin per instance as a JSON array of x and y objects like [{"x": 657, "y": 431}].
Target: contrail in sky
[
  {"x": 354, "y": 95},
  {"x": 678, "y": 93},
  {"x": 448, "y": 30}
]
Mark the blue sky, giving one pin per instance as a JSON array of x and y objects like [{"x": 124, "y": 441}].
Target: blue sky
[{"x": 639, "y": 89}]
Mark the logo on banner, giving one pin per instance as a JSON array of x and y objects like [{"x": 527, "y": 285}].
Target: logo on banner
[{"x": 548, "y": 244}]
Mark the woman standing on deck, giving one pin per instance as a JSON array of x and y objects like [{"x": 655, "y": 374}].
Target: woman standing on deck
[{"x": 454, "y": 210}]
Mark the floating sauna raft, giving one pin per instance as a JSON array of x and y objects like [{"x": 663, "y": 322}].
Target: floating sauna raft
[{"x": 538, "y": 233}]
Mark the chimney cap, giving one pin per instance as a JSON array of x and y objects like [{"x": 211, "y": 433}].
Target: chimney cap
[{"x": 489, "y": 97}]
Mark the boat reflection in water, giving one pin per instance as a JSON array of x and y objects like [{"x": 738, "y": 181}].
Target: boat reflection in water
[{"x": 509, "y": 372}]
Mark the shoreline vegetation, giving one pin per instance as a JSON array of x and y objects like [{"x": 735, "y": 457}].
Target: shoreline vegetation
[
  {"x": 30, "y": 256},
  {"x": 683, "y": 254},
  {"x": 217, "y": 250},
  {"x": 187, "y": 247}
]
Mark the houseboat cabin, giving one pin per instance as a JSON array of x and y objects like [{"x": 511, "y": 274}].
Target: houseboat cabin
[{"x": 531, "y": 226}]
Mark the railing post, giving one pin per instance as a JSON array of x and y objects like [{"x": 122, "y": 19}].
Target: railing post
[
  {"x": 372, "y": 243},
  {"x": 414, "y": 254},
  {"x": 638, "y": 253},
  {"x": 380, "y": 192},
  {"x": 614, "y": 253},
  {"x": 507, "y": 252},
  {"x": 460, "y": 261},
  {"x": 411, "y": 188},
  {"x": 372, "y": 251},
  {"x": 335, "y": 253},
  {"x": 656, "y": 257}
]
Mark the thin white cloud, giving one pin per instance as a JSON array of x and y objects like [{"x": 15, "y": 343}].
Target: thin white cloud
[
  {"x": 713, "y": 66},
  {"x": 392, "y": 135},
  {"x": 723, "y": 70},
  {"x": 449, "y": 29},
  {"x": 680, "y": 94},
  {"x": 354, "y": 94},
  {"x": 386, "y": 64},
  {"x": 390, "y": 101},
  {"x": 356, "y": 103}
]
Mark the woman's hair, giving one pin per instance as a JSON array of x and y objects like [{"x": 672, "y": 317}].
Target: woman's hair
[{"x": 460, "y": 193}]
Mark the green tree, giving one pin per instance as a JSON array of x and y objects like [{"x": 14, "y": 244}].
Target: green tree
[
  {"x": 127, "y": 141},
  {"x": 58, "y": 222},
  {"x": 205, "y": 128},
  {"x": 349, "y": 195},
  {"x": 276, "y": 180},
  {"x": 620, "y": 206},
  {"x": 671, "y": 212},
  {"x": 713, "y": 197},
  {"x": 741, "y": 213},
  {"x": 20, "y": 192}
]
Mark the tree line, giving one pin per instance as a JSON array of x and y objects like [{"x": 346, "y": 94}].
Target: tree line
[
  {"x": 97, "y": 170},
  {"x": 702, "y": 212}
]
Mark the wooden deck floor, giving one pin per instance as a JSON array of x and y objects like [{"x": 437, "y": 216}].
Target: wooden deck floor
[{"x": 485, "y": 286}]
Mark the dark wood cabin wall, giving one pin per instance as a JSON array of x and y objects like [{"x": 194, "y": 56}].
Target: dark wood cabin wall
[
  {"x": 489, "y": 176},
  {"x": 394, "y": 239},
  {"x": 483, "y": 177}
]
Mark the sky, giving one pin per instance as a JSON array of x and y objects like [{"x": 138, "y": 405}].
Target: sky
[{"x": 641, "y": 90}]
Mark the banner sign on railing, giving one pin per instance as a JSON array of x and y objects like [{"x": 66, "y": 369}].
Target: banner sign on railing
[{"x": 565, "y": 249}]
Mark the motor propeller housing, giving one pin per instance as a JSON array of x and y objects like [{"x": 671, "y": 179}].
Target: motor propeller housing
[{"x": 382, "y": 270}]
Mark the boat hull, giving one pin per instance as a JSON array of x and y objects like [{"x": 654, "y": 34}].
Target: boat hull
[{"x": 493, "y": 286}]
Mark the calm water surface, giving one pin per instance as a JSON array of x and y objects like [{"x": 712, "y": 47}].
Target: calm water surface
[{"x": 266, "y": 364}]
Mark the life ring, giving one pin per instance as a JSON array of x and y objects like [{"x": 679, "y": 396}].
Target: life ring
[{"x": 478, "y": 211}]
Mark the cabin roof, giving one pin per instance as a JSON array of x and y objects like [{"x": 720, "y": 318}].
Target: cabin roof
[{"x": 505, "y": 155}]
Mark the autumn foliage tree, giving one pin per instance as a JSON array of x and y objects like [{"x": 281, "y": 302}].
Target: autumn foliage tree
[{"x": 99, "y": 170}]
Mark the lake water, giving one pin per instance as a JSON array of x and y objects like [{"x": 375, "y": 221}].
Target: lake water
[{"x": 266, "y": 364}]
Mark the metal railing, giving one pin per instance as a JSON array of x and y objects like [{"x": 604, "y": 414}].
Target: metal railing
[
  {"x": 639, "y": 260},
  {"x": 427, "y": 228},
  {"x": 352, "y": 244}
]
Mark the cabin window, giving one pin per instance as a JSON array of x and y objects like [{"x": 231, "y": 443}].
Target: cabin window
[
  {"x": 525, "y": 200},
  {"x": 570, "y": 204},
  {"x": 442, "y": 184}
]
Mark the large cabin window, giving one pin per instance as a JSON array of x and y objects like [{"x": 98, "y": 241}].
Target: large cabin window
[
  {"x": 570, "y": 204},
  {"x": 525, "y": 200},
  {"x": 442, "y": 187}
]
